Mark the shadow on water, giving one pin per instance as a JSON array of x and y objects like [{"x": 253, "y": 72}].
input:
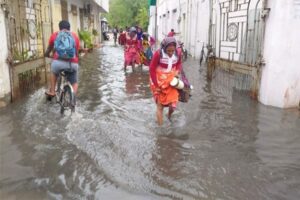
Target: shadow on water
[{"x": 220, "y": 145}]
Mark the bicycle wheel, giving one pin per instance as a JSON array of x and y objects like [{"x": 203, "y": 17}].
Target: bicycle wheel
[
  {"x": 67, "y": 100},
  {"x": 57, "y": 89}
]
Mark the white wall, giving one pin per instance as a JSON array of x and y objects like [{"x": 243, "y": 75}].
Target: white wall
[
  {"x": 4, "y": 68},
  {"x": 167, "y": 17},
  {"x": 198, "y": 25},
  {"x": 280, "y": 83},
  {"x": 151, "y": 27},
  {"x": 191, "y": 21}
]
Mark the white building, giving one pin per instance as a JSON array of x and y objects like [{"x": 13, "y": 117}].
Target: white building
[
  {"x": 280, "y": 83},
  {"x": 5, "y": 87},
  {"x": 188, "y": 18},
  {"x": 257, "y": 38}
]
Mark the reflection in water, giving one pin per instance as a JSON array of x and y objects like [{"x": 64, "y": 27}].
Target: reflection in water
[
  {"x": 28, "y": 81},
  {"x": 90, "y": 80},
  {"x": 220, "y": 145},
  {"x": 137, "y": 84}
]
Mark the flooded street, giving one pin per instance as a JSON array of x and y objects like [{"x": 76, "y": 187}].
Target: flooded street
[{"x": 220, "y": 146}]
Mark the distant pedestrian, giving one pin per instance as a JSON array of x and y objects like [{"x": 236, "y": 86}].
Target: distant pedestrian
[
  {"x": 146, "y": 53},
  {"x": 122, "y": 37},
  {"x": 131, "y": 50},
  {"x": 139, "y": 35},
  {"x": 115, "y": 33},
  {"x": 152, "y": 42},
  {"x": 172, "y": 33}
]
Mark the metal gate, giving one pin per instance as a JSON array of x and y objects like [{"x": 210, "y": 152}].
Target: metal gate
[
  {"x": 237, "y": 29},
  {"x": 28, "y": 24}
]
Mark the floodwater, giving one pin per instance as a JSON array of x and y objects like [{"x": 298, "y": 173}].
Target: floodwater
[{"x": 220, "y": 146}]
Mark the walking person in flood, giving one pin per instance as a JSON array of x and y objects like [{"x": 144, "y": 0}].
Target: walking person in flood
[
  {"x": 152, "y": 42},
  {"x": 122, "y": 37},
  {"x": 164, "y": 66},
  {"x": 139, "y": 35},
  {"x": 131, "y": 50},
  {"x": 146, "y": 52},
  {"x": 64, "y": 45},
  {"x": 115, "y": 34}
]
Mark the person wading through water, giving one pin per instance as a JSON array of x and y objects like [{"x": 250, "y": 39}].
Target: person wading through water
[
  {"x": 131, "y": 50},
  {"x": 164, "y": 66}
]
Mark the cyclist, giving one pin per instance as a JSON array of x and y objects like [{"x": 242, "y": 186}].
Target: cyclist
[{"x": 58, "y": 63}]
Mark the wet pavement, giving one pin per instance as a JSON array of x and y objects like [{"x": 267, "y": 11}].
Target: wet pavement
[{"x": 220, "y": 146}]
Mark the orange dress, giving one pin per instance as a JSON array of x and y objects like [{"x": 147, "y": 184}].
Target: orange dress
[
  {"x": 167, "y": 95},
  {"x": 161, "y": 74}
]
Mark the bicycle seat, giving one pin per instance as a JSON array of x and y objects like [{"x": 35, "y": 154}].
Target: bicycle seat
[{"x": 66, "y": 71}]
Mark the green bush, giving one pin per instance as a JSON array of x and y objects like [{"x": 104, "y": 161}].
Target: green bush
[{"x": 86, "y": 37}]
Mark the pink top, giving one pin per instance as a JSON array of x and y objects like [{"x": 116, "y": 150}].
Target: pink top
[
  {"x": 159, "y": 62},
  {"x": 55, "y": 56},
  {"x": 171, "y": 34},
  {"x": 152, "y": 41}
]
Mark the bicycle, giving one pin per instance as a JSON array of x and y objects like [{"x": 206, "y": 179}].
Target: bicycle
[
  {"x": 184, "y": 53},
  {"x": 209, "y": 53},
  {"x": 64, "y": 94}
]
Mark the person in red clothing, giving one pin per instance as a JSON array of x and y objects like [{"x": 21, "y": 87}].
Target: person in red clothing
[
  {"x": 171, "y": 33},
  {"x": 122, "y": 37},
  {"x": 131, "y": 50},
  {"x": 58, "y": 64},
  {"x": 164, "y": 66}
]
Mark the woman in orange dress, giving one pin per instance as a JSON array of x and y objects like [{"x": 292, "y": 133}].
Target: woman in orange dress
[{"x": 164, "y": 66}]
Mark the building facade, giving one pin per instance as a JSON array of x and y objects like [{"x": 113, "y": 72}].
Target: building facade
[
  {"x": 256, "y": 40},
  {"x": 26, "y": 26},
  {"x": 188, "y": 18},
  {"x": 82, "y": 14}
]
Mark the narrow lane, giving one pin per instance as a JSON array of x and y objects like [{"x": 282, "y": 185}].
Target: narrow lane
[{"x": 221, "y": 145}]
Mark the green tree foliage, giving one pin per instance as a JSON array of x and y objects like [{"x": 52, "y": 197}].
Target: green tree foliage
[
  {"x": 142, "y": 18},
  {"x": 128, "y": 13}
]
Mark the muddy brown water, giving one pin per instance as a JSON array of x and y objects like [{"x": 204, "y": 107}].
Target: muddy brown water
[{"x": 221, "y": 145}]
